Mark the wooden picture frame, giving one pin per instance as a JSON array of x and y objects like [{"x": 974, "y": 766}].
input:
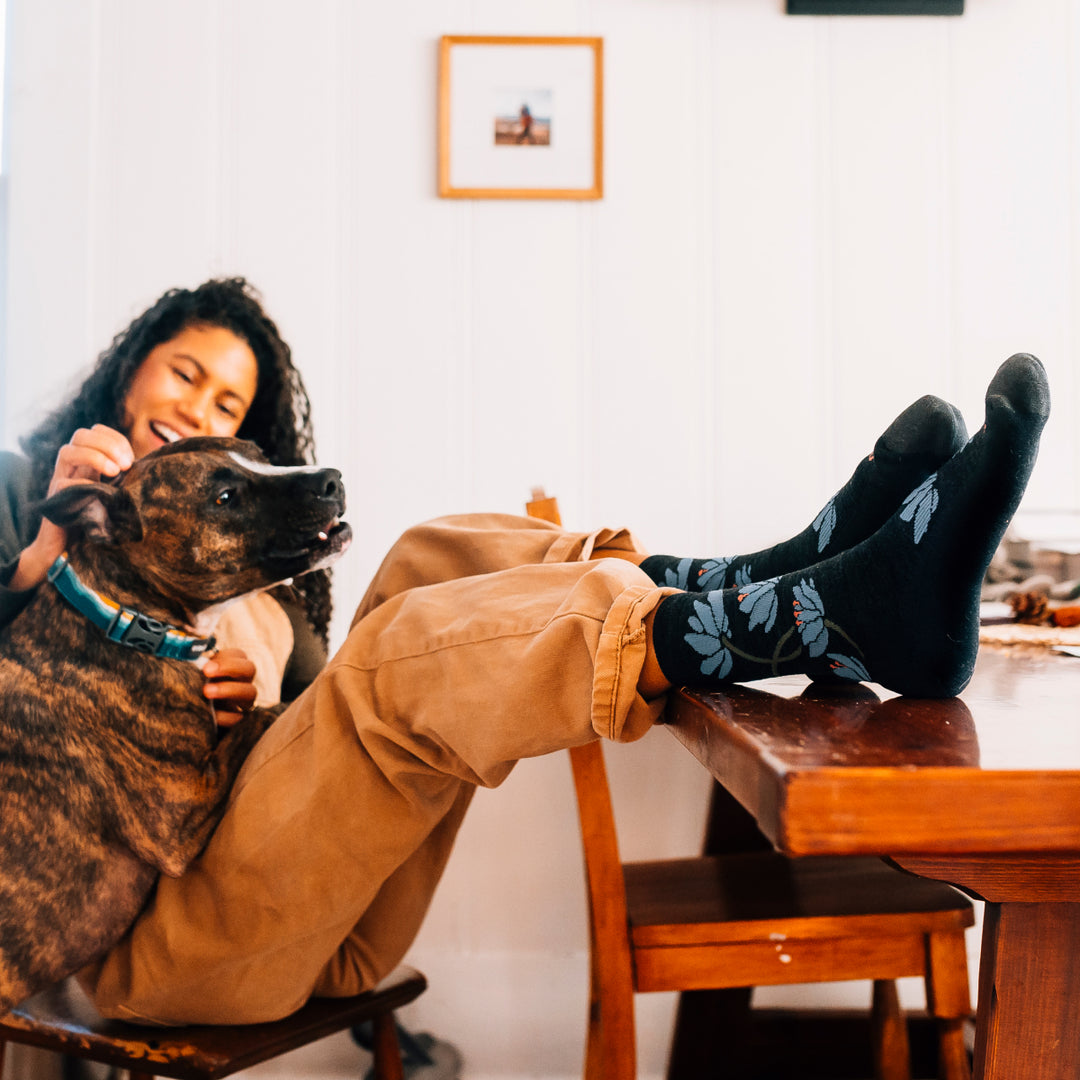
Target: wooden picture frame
[{"x": 521, "y": 117}]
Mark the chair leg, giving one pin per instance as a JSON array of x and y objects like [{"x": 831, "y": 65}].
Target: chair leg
[
  {"x": 386, "y": 1048},
  {"x": 892, "y": 1053},
  {"x": 610, "y": 1048},
  {"x": 953, "y": 1060},
  {"x": 594, "y": 1040},
  {"x": 948, "y": 997}
]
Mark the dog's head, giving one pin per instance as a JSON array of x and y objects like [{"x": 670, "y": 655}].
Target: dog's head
[{"x": 207, "y": 519}]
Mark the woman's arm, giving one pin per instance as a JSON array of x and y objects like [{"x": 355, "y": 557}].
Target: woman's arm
[{"x": 91, "y": 453}]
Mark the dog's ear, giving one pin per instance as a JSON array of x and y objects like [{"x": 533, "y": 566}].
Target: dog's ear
[{"x": 103, "y": 511}]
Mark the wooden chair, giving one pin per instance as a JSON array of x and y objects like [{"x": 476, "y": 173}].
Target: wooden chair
[
  {"x": 64, "y": 1020},
  {"x": 758, "y": 918}
]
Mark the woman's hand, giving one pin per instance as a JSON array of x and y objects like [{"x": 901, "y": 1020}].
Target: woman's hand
[
  {"x": 230, "y": 685},
  {"x": 91, "y": 454}
]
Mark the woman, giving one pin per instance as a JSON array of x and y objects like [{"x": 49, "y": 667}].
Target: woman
[
  {"x": 204, "y": 361},
  {"x": 487, "y": 638}
]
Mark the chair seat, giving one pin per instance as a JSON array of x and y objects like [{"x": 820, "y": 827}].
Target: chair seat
[
  {"x": 737, "y": 897},
  {"x": 781, "y": 920},
  {"x": 64, "y": 1019}
]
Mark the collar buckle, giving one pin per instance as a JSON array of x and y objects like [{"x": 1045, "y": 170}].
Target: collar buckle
[{"x": 144, "y": 634}]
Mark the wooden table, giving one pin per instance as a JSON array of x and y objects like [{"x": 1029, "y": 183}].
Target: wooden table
[{"x": 982, "y": 791}]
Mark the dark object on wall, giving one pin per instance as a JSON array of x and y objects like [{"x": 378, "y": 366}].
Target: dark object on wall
[{"x": 875, "y": 7}]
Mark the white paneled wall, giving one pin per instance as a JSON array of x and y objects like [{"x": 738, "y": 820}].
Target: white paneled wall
[{"x": 807, "y": 223}]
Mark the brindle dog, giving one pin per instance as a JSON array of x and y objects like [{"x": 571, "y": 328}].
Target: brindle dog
[{"x": 111, "y": 767}]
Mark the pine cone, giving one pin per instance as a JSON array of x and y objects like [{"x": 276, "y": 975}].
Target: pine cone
[{"x": 1029, "y": 607}]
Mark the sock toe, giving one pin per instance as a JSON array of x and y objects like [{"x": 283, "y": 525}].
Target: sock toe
[
  {"x": 1020, "y": 384},
  {"x": 929, "y": 429}
]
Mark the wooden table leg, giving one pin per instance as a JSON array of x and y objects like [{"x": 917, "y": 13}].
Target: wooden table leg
[{"x": 1029, "y": 992}]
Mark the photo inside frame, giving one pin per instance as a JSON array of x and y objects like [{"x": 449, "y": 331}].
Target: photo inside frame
[{"x": 523, "y": 117}]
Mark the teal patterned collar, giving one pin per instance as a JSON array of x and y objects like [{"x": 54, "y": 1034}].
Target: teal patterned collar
[{"x": 122, "y": 624}]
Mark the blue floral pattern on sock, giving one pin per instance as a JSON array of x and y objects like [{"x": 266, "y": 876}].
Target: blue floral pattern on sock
[
  {"x": 847, "y": 667},
  {"x": 710, "y": 624},
  {"x": 760, "y": 602},
  {"x": 743, "y": 576},
  {"x": 920, "y": 505},
  {"x": 711, "y": 575},
  {"x": 824, "y": 524},
  {"x": 810, "y": 617},
  {"x": 679, "y": 577}
]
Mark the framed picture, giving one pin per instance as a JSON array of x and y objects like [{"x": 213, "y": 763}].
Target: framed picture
[{"x": 521, "y": 117}]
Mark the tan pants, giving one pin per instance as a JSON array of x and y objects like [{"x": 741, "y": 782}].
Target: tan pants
[{"x": 482, "y": 640}]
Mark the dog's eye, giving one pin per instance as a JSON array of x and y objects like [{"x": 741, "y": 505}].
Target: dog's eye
[{"x": 225, "y": 496}]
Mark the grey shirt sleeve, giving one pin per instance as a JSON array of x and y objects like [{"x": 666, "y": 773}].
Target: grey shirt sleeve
[{"x": 18, "y": 525}]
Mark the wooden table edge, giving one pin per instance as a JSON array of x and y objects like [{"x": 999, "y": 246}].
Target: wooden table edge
[{"x": 886, "y": 810}]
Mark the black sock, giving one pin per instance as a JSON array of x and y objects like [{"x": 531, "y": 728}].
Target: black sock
[
  {"x": 926, "y": 434},
  {"x": 901, "y": 608}
]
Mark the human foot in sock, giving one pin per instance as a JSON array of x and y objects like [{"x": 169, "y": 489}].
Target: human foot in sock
[
  {"x": 926, "y": 434},
  {"x": 901, "y": 608}
]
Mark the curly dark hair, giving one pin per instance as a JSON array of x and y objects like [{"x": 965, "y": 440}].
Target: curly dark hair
[{"x": 279, "y": 420}]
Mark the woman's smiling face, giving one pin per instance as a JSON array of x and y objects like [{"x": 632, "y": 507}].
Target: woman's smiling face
[{"x": 201, "y": 382}]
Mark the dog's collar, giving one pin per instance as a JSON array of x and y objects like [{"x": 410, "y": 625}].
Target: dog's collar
[{"x": 123, "y": 625}]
